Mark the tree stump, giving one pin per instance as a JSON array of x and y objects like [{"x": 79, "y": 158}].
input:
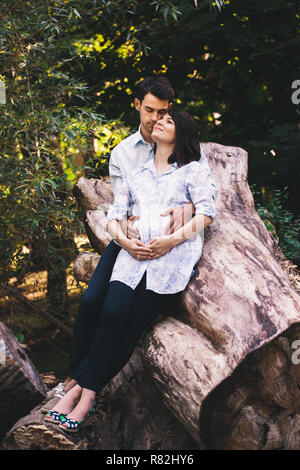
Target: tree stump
[
  {"x": 222, "y": 360},
  {"x": 21, "y": 387}
]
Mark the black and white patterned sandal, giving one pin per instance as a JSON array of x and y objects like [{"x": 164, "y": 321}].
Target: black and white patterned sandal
[
  {"x": 54, "y": 417},
  {"x": 72, "y": 424}
]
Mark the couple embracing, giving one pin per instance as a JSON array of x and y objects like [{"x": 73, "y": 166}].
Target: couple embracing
[{"x": 161, "y": 180}]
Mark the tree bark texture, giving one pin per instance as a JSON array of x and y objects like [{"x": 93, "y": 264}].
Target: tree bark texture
[
  {"x": 222, "y": 360},
  {"x": 130, "y": 415},
  {"x": 244, "y": 295},
  {"x": 21, "y": 387}
]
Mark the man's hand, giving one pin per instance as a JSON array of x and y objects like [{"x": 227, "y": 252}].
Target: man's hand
[
  {"x": 137, "y": 249},
  {"x": 180, "y": 215},
  {"x": 160, "y": 246},
  {"x": 128, "y": 229}
]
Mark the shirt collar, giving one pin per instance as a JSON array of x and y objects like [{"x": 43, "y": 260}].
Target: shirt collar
[
  {"x": 138, "y": 138},
  {"x": 150, "y": 165}
]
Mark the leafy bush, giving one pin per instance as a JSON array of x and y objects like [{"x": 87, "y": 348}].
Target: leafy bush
[{"x": 280, "y": 221}]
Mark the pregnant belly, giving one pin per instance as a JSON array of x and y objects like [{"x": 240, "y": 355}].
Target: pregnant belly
[{"x": 151, "y": 224}]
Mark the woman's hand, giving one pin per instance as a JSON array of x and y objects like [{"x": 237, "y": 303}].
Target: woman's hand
[
  {"x": 160, "y": 246},
  {"x": 137, "y": 249},
  {"x": 128, "y": 229}
]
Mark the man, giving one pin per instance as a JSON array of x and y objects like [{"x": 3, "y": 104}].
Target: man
[{"x": 153, "y": 98}]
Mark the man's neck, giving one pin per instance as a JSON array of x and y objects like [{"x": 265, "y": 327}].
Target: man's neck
[{"x": 146, "y": 136}]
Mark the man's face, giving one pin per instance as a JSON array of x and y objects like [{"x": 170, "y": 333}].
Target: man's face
[{"x": 151, "y": 109}]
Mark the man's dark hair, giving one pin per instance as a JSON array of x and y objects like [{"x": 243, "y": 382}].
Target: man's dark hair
[
  {"x": 187, "y": 144},
  {"x": 157, "y": 86}
]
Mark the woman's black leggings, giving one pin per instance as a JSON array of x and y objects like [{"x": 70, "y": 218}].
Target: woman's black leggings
[{"x": 109, "y": 324}]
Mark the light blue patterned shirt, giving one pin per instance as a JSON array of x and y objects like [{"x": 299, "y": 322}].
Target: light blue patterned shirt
[
  {"x": 130, "y": 154},
  {"x": 150, "y": 196}
]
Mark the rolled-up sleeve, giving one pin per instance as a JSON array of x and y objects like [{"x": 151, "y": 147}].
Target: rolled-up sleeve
[
  {"x": 202, "y": 190},
  {"x": 123, "y": 200}
]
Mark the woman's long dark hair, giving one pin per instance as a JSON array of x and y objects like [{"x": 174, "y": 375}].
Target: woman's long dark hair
[{"x": 187, "y": 145}]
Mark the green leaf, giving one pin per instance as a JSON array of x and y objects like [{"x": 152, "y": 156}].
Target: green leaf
[{"x": 165, "y": 13}]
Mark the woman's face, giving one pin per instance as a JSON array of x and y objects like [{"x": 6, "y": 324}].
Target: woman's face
[{"x": 164, "y": 130}]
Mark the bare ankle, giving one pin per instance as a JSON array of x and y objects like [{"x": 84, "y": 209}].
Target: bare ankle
[{"x": 70, "y": 384}]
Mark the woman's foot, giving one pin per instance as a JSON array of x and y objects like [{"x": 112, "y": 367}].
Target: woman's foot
[
  {"x": 82, "y": 408},
  {"x": 67, "y": 403},
  {"x": 69, "y": 383},
  {"x": 57, "y": 393}
]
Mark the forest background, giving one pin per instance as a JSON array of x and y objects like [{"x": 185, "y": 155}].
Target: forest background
[{"x": 68, "y": 72}]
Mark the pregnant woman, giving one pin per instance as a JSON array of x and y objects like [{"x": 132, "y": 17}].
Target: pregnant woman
[{"x": 149, "y": 273}]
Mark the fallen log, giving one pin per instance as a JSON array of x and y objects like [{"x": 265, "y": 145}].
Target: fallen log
[
  {"x": 239, "y": 300},
  {"x": 130, "y": 415},
  {"x": 95, "y": 196},
  {"x": 21, "y": 387},
  {"x": 258, "y": 406},
  {"x": 213, "y": 359},
  {"x": 85, "y": 265},
  {"x": 242, "y": 296}
]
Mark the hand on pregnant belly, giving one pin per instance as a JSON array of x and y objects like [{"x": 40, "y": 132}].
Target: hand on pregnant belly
[
  {"x": 160, "y": 246},
  {"x": 151, "y": 226},
  {"x": 137, "y": 249}
]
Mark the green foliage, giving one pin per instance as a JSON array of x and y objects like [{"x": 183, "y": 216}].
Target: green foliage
[
  {"x": 51, "y": 117},
  {"x": 232, "y": 69},
  {"x": 70, "y": 68},
  {"x": 43, "y": 104},
  {"x": 280, "y": 221},
  {"x": 106, "y": 138},
  {"x": 20, "y": 337}
]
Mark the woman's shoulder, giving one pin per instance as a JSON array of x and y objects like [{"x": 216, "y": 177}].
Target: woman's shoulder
[
  {"x": 194, "y": 163},
  {"x": 194, "y": 166},
  {"x": 195, "y": 171}
]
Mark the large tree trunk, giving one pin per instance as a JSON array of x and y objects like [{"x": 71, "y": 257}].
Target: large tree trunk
[
  {"x": 238, "y": 301},
  {"x": 21, "y": 387},
  {"x": 222, "y": 361},
  {"x": 130, "y": 415},
  {"x": 243, "y": 296}
]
